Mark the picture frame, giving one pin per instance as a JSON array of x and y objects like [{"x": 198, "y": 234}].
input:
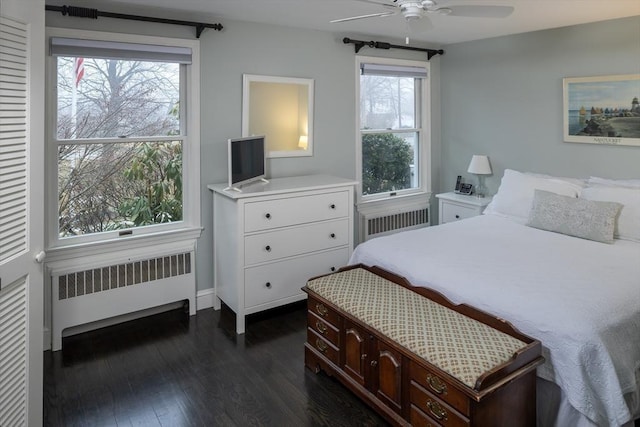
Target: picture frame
[{"x": 602, "y": 110}]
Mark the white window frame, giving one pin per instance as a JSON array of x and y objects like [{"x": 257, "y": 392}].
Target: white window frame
[
  {"x": 190, "y": 226},
  {"x": 423, "y": 130}
]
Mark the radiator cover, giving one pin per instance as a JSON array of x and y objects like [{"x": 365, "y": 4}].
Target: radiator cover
[
  {"x": 393, "y": 219},
  {"x": 107, "y": 291}
]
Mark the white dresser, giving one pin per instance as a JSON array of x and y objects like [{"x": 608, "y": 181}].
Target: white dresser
[
  {"x": 454, "y": 207},
  {"x": 272, "y": 237}
]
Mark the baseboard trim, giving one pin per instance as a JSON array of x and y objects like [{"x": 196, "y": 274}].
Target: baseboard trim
[{"x": 205, "y": 299}]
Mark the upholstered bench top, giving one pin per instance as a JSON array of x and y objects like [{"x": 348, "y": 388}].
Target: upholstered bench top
[{"x": 453, "y": 342}]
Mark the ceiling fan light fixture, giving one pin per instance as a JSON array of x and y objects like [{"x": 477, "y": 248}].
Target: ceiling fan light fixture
[{"x": 411, "y": 10}]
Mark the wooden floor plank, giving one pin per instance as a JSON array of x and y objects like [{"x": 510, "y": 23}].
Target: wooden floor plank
[{"x": 174, "y": 370}]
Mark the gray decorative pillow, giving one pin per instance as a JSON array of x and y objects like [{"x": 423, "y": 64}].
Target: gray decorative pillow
[{"x": 587, "y": 219}]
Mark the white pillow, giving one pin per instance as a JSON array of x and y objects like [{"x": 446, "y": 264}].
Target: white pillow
[
  {"x": 577, "y": 181},
  {"x": 516, "y": 190},
  {"x": 628, "y": 226},
  {"x": 615, "y": 182},
  {"x": 574, "y": 216}
]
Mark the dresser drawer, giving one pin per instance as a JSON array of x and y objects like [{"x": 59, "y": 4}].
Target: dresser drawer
[
  {"x": 435, "y": 408},
  {"x": 452, "y": 212},
  {"x": 271, "y": 282},
  {"x": 436, "y": 385},
  {"x": 273, "y": 245},
  {"x": 323, "y": 346},
  {"x": 293, "y": 210},
  {"x": 324, "y": 328}
]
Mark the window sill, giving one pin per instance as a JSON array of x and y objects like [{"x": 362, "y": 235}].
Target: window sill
[{"x": 130, "y": 245}]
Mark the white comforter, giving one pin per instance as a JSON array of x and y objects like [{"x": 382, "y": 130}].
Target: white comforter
[{"x": 580, "y": 298}]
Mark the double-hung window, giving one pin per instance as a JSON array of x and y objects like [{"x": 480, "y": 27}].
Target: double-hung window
[
  {"x": 124, "y": 144},
  {"x": 393, "y": 131}
]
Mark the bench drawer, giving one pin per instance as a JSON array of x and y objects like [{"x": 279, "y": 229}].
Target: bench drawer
[
  {"x": 324, "y": 312},
  {"x": 323, "y": 328},
  {"x": 435, "y": 408},
  {"x": 435, "y": 385},
  {"x": 323, "y": 346}
]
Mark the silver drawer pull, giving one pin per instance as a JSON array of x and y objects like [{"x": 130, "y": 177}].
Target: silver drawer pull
[{"x": 436, "y": 384}]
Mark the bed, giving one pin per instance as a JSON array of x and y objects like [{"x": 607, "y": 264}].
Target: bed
[{"x": 580, "y": 297}]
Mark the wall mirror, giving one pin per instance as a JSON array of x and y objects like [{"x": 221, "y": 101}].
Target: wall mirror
[{"x": 281, "y": 108}]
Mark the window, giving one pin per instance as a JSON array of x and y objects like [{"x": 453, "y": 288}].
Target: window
[
  {"x": 392, "y": 110},
  {"x": 123, "y": 154}
]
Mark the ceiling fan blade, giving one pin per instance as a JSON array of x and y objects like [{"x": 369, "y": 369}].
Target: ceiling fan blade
[
  {"x": 419, "y": 26},
  {"x": 371, "y": 15},
  {"x": 478, "y": 11},
  {"x": 384, "y": 3}
]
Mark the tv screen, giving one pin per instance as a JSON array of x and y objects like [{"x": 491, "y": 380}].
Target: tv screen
[{"x": 246, "y": 160}]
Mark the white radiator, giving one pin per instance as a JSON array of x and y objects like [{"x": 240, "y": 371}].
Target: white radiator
[
  {"x": 107, "y": 291},
  {"x": 392, "y": 220}
]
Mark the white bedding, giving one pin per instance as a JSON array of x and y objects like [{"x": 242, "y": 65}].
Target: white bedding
[{"x": 580, "y": 298}]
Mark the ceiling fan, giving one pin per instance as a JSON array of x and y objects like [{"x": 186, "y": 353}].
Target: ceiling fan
[{"x": 419, "y": 9}]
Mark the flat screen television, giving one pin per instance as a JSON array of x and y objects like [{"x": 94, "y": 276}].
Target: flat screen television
[{"x": 247, "y": 161}]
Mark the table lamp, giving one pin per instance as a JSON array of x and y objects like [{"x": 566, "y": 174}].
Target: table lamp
[{"x": 480, "y": 166}]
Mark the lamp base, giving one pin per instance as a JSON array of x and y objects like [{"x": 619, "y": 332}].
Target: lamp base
[{"x": 481, "y": 190}]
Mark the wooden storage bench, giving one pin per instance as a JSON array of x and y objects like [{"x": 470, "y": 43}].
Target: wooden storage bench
[{"x": 417, "y": 358}]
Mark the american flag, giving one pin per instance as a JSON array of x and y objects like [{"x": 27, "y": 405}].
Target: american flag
[{"x": 78, "y": 66}]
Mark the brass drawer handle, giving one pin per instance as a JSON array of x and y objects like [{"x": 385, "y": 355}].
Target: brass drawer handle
[
  {"x": 436, "y": 384},
  {"x": 320, "y": 345},
  {"x": 321, "y": 309},
  {"x": 436, "y": 410},
  {"x": 321, "y": 327}
]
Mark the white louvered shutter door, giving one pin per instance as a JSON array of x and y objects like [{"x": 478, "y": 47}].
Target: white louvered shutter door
[{"x": 13, "y": 221}]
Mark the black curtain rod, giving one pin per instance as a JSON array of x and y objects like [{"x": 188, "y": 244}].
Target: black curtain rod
[
  {"x": 84, "y": 12},
  {"x": 359, "y": 44}
]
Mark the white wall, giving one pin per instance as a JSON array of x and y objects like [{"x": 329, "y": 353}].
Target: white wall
[{"x": 503, "y": 97}]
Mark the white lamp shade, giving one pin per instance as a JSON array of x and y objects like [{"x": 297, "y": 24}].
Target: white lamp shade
[{"x": 479, "y": 165}]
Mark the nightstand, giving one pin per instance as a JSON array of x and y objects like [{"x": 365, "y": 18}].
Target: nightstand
[{"x": 454, "y": 207}]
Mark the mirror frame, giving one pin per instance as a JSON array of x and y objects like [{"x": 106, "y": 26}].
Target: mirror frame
[{"x": 247, "y": 79}]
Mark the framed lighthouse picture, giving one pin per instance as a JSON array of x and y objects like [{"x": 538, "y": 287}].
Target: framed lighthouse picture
[{"x": 602, "y": 110}]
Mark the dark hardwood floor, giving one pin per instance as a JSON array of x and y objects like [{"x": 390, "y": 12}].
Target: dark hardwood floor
[{"x": 174, "y": 370}]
